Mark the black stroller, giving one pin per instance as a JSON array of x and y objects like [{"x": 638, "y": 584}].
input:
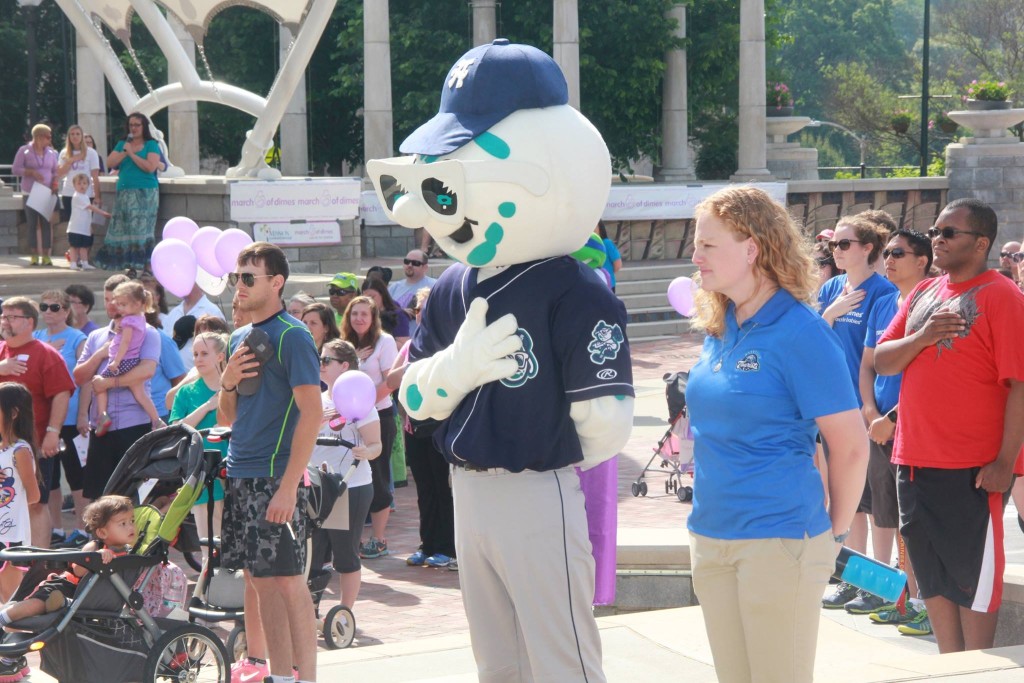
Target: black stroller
[
  {"x": 668, "y": 449},
  {"x": 104, "y": 634}
]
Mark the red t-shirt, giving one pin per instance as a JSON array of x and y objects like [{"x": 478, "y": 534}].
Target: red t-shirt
[
  {"x": 953, "y": 396},
  {"x": 47, "y": 376}
]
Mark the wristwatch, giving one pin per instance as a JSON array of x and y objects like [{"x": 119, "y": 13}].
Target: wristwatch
[
  {"x": 839, "y": 538},
  {"x": 891, "y": 415}
]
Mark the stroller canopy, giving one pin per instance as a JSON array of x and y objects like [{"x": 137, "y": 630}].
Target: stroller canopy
[{"x": 167, "y": 454}]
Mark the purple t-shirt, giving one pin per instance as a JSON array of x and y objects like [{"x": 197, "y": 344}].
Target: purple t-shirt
[
  {"x": 121, "y": 405},
  {"x": 137, "y": 324}
]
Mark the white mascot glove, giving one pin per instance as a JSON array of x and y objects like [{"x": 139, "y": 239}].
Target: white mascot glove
[
  {"x": 603, "y": 426},
  {"x": 434, "y": 387}
]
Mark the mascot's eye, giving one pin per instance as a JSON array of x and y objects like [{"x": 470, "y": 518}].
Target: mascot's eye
[
  {"x": 391, "y": 189},
  {"x": 439, "y": 198}
]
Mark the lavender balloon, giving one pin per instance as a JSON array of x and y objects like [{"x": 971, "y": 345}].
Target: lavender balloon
[
  {"x": 203, "y": 243},
  {"x": 229, "y": 244},
  {"x": 174, "y": 265},
  {"x": 680, "y": 295},
  {"x": 354, "y": 395},
  {"x": 180, "y": 228}
]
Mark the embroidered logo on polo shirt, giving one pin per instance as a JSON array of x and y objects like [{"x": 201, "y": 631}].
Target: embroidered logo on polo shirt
[
  {"x": 525, "y": 360},
  {"x": 749, "y": 363},
  {"x": 605, "y": 342}
]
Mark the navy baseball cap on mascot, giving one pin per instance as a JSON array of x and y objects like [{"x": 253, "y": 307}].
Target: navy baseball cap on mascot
[{"x": 507, "y": 171}]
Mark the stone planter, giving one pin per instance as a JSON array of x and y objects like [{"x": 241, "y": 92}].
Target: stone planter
[
  {"x": 988, "y": 105},
  {"x": 772, "y": 111},
  {"x": 989, "y": 127}
]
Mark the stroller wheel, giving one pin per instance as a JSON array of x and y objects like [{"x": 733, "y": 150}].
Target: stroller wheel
[
  {"x": 643, "y": 488},
  {"x": 685, "y": 493},
  {"x": 187, "y": 653},
  {"x": 635, "y": 489},
  {"x": 339, "y": 628},
  {"x": 237, "y": 645}
]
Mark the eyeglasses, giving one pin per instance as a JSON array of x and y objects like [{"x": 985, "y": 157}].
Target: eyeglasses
[
  {"x": 412, "y": 262},
  {"x": 248, "y": 279},
  {"x": 842, "y": 245},
  {"x": 895, "y": 252},
  {"x": 50, "y": 307},
  {"x": 8, "y": 318},
  {"x": 326, "y": 360},
  {"x": 337, "y": 291},
  {"x": 949, "y": 233}
]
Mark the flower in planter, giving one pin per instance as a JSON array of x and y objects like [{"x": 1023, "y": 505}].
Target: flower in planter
[
  {"x": 900, "y": 121},
  {"x": 778, "y": 95},
  {"x": 989, "y": 91}
]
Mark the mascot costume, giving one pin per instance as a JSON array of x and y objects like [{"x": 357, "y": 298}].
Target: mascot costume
[{"x": 522, "y": 351}]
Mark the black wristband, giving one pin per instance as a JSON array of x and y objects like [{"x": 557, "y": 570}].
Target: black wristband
[{"x": 231, "y": 390}]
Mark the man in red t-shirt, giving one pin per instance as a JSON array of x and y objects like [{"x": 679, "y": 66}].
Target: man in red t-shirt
[
  {"x": 42, "y": 370},
  {"x": 960, "y": 430}
]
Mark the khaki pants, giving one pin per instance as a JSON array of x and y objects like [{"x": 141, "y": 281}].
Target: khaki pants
[{"x": 761, "y": 601}]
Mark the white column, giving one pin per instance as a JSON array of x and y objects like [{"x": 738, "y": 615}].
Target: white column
[
  {"x": 675, "y": 145},
  {"x": 378, "y": 136},
  {"x": 752, "y": 152},
  {"x": 567, "y": 45},
  {"x": 485, "y": 21},
  {"x": 183, "y": 117},
  {"x": 90, "y": 93},
  {"x": 294, "y": 125}
]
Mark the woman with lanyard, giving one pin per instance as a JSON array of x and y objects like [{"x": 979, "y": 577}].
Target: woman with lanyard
[
  {"x": 376, "y": 349},
  {"x": 846, "y": 302},
  {"x": 36, "y": 162},
  {"x": 769, "y": 377},
  {"x": 77, "y": 157},
  {"x": 129, "y": 239},
  {"x": 58, "y": 333}
]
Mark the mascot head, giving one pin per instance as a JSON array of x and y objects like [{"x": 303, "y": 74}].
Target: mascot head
[{"x": 507, "y": 172}]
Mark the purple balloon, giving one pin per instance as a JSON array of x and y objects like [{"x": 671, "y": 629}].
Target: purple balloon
[
  {"x": 180, "y": 228},
  {"x": 354, "y": 395},
  {"x": 202, "y": 244},
  {"x": 680, "y": 295},
  {"x": 174, "y": 265},
  {"x": 229, "y": 244}
]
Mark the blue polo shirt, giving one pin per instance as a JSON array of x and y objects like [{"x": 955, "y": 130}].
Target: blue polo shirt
[
  {"x": 753, "y": 422},
  {"x": 574, "y": 349},
  {"x": 261, "y": 435},
  {"x": 887, "y": 387},
  {"x": 851, "y": 327},
  {"x": 168, "y": 367}
]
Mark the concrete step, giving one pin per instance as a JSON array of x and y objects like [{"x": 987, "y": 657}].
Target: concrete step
[
  {"x": 637, "y": 301},
  {"x": 645, "y": 331},
  {"x": 656, "y": 286},
  {"x": 654, "y": 270}
]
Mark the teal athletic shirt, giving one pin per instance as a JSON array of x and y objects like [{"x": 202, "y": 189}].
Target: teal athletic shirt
[{"x": 261, "y": 436}]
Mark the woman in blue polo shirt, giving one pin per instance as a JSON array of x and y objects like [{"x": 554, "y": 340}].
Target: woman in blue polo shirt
[{"x": 770, "y": 376}]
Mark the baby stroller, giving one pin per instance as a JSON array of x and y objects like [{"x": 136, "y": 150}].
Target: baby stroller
[
  {"x": 219, "y": 594},
  {"x": 668, "y": 446},
  {"x": 105, "y": 634}
]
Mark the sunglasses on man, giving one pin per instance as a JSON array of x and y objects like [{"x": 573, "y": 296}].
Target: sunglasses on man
[
  {"x": 1016, "y": 257},
  {"x": 248, "y": 279},
  {"x": 412, "y": 262},
  {"x": 948, "y": 233},
  {"x": 338, "y": 291}
]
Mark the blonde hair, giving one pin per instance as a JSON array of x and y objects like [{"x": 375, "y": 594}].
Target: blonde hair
[
  {"x": 62, "y": 298},
  {"x": 134, "y": 290},
  {"x": 67, "y": 142},
  {"x": 39, "y": 129},
  {"x": 783, "y": 256},
  {"x": 218, "y": 341}
]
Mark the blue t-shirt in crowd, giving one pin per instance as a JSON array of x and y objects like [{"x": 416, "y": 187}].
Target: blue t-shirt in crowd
[
  {"x": 613, "y": 256},
  {"x": 261, "y": 435},
  {"x": 574, "y": 349},
  {"x": 71, "y": 338},
  {"x": 850, "y": 328},
  {"x": 754, "y": 427},
  {"x": 168, "y": 367},
  {"x": 887, "y": 387}
]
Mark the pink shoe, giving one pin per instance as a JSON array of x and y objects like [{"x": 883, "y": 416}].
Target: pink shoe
[
  {"x": 247, "y": 671},
  {"x": 103, "y": 424}
]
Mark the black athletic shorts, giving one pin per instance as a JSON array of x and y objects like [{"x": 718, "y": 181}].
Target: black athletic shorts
[{"x": 954, "y": 535}]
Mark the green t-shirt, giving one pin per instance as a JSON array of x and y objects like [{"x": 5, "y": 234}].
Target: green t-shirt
[
  {"x": 190, "y": 397},
  {"x": 130, "y": 176}
]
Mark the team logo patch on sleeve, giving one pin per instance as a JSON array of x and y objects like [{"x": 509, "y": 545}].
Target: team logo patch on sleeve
[
  {"x": 749, "y": 363},
  {"x": 605, "y": 342},
  {"x": 526, "y": 361}
]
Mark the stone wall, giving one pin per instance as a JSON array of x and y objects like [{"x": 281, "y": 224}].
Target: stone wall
[{"x": 993, "y": 173}]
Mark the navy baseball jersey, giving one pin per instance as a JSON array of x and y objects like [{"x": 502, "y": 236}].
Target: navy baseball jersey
[{"x": 574, "y": 349}]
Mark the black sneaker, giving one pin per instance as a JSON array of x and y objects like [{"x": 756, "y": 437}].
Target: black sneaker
[
  {"x": 56, "y": 539},
  {"x": 868, "y": 603},
  {"x": 843, "y": 594},
  {"x": 68, "y": 504}
]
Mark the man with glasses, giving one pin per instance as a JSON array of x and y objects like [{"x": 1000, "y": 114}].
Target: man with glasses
[
  {"x": 342, "y": 288},
  {"x": 1010, "y": 258},
  {"x": 129, "y": 421},
  {"x": 270, "y": 394},
  {"x": 40, "y": 368},
  {"x": 959, "y": 434},
  {"x": 416, "y": 278}
]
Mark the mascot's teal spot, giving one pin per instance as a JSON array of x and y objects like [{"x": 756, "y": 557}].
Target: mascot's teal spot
[
  {"x": 427, "y": 159},
  {"x": 493, "y": 145},
  {"x": 507, "y": 209},
  {"x": 442, "y": 393},
  {"x": 484, "y": 253},
  {"x": 620, "y": 398},
  {"x": 413, "y": 397}
]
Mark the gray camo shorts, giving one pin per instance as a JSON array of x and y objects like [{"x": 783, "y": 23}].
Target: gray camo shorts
[{"x": 250, "y": 542}]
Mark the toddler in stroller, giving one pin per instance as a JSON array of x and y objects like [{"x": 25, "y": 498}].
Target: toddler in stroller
[{"x": 104, "y": 631}]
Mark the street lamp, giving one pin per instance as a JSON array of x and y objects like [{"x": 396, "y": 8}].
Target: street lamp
[
  {"x": 31, "y": 11},
  {"x": 861, "y": 140}
]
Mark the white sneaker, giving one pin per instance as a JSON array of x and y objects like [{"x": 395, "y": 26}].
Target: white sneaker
[
  {"x": 74, "y": 266},
  {"x": 88, "y": 266}
]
